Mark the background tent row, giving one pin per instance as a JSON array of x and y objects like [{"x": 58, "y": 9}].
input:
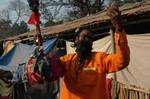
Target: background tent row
[
  {"x": 13, "y": 66},
  {"x": 136, "y": 74},
  {"x": 20, "y": 53}
]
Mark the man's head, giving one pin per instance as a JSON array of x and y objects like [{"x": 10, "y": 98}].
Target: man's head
[{"x": 83, "y": 44}]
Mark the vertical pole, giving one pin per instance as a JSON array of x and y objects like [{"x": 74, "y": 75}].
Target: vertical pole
[
  {"x": 38, "y": 30},
  {"x": 113, "y": 48}
]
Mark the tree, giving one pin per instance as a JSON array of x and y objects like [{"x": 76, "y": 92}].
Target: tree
[
  {"x": 19, "y": 8},
  {"x": 49, "y": 14},
  {"x": 74, "y": 8},
  {"x": 5, "y": 28},
  {"x": 17, "y": 29},
  {"x": 45, "y": 12},
  {"x": 8, "y": 30},
  {"x": 51, "y": 23},
  {"x": 23, "y": 27},
  {"x": 9, "y": 27},
  {"x": 87, "y": 7},
  {"x": 5, "y": 14}
]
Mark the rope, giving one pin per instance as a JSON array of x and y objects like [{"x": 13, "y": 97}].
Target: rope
[{"x": 125, "y": 91}]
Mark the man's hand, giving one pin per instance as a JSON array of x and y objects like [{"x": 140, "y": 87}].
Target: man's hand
[{"x": 115, "y": 16}]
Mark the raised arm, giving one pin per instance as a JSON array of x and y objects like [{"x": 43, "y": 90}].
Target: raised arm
[{"x": 120, "y": 59}]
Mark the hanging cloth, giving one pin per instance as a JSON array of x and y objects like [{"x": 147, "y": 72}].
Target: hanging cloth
[{"x": 35, "y": 16}]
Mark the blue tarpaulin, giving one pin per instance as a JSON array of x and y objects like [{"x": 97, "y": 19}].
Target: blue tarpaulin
[{"x": 20, "y": 53}]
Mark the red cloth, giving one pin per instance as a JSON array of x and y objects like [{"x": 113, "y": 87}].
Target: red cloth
[
  {"x": 4, "y": 97},
  {"x": 34, "y": 18},
  {"x": 57, "y": 68},
  {"x": 108, "y": 88},
  {"x": 33, "y": 78}
]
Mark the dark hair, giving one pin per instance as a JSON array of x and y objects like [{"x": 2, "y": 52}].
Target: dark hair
[{"x": 77, "y": 33}]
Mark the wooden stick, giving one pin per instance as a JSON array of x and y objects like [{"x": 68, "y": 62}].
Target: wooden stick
[{"x": 113, "y": 48}]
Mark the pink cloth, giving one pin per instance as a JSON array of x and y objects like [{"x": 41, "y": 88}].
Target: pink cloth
[
  {"x": 108, "y": 88},
  {"x": 57, "y": 68}
]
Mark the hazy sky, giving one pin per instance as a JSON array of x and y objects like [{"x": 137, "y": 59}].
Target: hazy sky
[{"x": 4, "y": 3}]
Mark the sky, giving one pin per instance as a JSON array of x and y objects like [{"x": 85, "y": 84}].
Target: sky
[{"x": 4, "y": 3}]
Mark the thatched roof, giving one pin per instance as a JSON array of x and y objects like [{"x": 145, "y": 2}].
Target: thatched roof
[{"x": 101, "y": 17}]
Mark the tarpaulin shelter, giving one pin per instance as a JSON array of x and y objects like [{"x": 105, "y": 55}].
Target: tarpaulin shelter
[
  {"x": 10, "y": 61},
  {"x": 20, "y": 53}
]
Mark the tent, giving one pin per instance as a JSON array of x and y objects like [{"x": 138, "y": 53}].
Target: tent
[
  {"x": 10, "y": 61},
  {"x": 20, "y": 53}
]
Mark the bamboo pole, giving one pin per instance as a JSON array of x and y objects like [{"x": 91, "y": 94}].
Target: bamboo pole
[{"x": 113, "y": 48}]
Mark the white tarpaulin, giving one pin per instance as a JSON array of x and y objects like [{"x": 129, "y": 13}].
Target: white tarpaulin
[{"x": 137, "y": 73}]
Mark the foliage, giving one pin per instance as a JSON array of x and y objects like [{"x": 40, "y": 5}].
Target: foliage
[
  {"x": 51, "y": 23},
  {"x": 23, "y": 27},
  {"x": 87, "y": 7},
  {"x": 7, "y": 29},
  {"x": 19, "y": 8},
  {"x": 50, "y": 11},
  {"x": 14, "y": 26}
]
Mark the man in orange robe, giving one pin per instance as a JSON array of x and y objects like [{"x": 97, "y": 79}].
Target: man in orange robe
[{"x": 86, "y": 71}]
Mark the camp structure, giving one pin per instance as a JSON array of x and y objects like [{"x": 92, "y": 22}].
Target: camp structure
[
  {"x": 13, "y": 70},
  {"x": 132, "y": 82},
  {"x": 134, "y": 15}
]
